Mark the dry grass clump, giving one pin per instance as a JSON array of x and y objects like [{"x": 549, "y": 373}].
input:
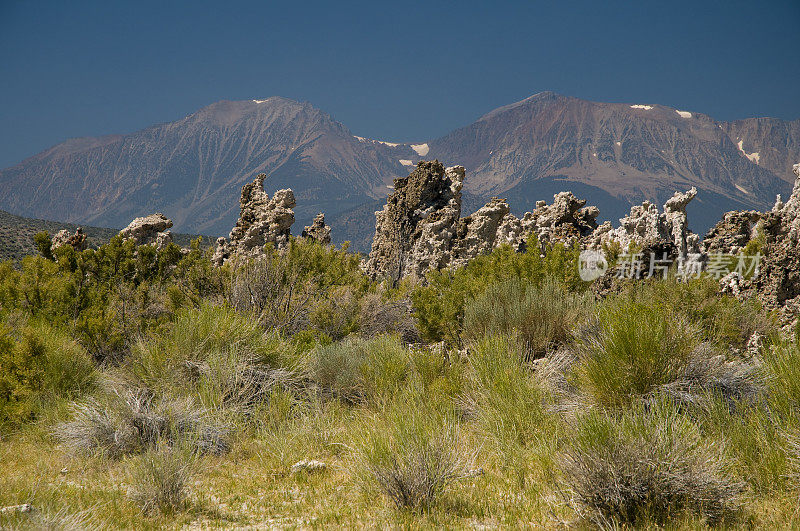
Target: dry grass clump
[
  {"x": 708, "y": 375},
  {"x": 647, "y": 465},
  {"x": 541, "y": 316},
  {"x": 160, "y": 478},
  {"x": 377, "y": 315},
  {"x": 411, "y": 456},
  {"x": 277, "y": 295},
  {"x": 62, "y": 520},
  {"x": 132, "y": 421}
]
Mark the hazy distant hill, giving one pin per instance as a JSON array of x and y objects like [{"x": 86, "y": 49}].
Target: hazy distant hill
[
  {"x": 16, "y": 235},
  {"x": 613, "y": 154}
]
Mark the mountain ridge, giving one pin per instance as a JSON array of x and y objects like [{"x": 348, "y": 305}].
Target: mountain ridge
[{"x": 193, "y": 169}]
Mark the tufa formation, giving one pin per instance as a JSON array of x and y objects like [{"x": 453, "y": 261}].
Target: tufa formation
[
  {"x": 149, "y": 230},
  {"x": 264, "y": 221}
]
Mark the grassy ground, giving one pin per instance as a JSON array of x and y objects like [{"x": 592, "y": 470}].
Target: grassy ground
[
  {"x": 666, "y": 405},
  {"x": 253, "y": 487}
]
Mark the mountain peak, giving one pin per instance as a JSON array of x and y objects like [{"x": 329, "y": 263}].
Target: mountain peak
[{"x": 538, "y": 98}]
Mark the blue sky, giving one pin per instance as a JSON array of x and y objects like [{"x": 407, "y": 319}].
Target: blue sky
[{"x": 395, "y": 71}]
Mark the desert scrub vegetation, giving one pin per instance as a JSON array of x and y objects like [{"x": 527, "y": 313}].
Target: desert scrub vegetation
[
  {"x": 647, "y": 465},
  {"x": 439, "y": 306},
  {"x": 411, "y": 454},
  {"x": 540, "y": 316},
  {"x": 160, "y": 478},
  {"x": 150, "y": 389},
  {"x": 40, "y": 366}
]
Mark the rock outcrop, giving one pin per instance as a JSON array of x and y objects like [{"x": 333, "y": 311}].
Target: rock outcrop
[
  {"x": 64, "y": 237},
  {"x": 420, "y": 228},
  {"x": 566, "y": 220},
  {"x": 732, "y": 232},
  {"x": 261, "y": 221},
  {"x": 415, "y": 230},
  {"x": 646, "y": 228},
  {"x": 149, "y": 230},
  {"x": 778, "y": 281},
  {"x": 318, "y": 231}
]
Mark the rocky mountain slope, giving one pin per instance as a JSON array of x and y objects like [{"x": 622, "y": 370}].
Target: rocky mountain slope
[
  {"x": 620, "y": 154},
  {"x": 193, "y": 169},
  {"x": 611, "y": 153}
]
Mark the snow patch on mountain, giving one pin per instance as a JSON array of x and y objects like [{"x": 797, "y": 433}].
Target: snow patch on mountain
[
  {"x": 643, "y": 107},
  {"x": 421, "y": 149},
  {"x": 754, "y": 157},
  {"x": 362, "y": 139},
  {"x": 406, "y": 162},
  {"x": 684, "y": 114}
]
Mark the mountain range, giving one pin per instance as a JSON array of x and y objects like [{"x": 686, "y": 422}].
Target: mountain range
[{"x": 613, "y": 154}]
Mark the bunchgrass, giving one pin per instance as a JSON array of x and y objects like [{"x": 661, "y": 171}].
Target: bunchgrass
[
  {"x": 358, "y": 370},
  {"x": 411, "y": 455},
  {"x": 634, "y": 349},
  {"x": 160, "y": 478},
  {"x": 541, "y": 316}
]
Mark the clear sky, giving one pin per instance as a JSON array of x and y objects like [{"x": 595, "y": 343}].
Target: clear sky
[{"x": 395, "y": 70}]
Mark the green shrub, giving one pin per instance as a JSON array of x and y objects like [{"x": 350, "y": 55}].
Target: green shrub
[
  {"x": 336, "y": 313},
  {"x": 782, "y": 374},
  {"x": 357, "y": 369},
  {"x": 43, "y": 244},
  {"x": 509, "y": 407},
  {"x": 411, "y": 455},
  {"x": 647, "y": 465},
  {"x": 509, "y": 403},
  {"x": 635, "y": 349},
  {"x": 721, "y": 319},
  {"x": 196, "y": 336},
  {"x": 216, "y": 354},
  {"x": 540, "y": 316},
  {"x": 756, "y": 441},
  {"x": 41, "y": 368},
  {"x": 439, "y": 305}
]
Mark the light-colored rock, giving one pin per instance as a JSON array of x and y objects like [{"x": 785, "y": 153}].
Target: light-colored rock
[
  {"x": 481, "y": 232},
  {"x": 64, "y": 237},
  {"x": 17, "y": 509},
  {"x": 675, "y": 219},
  {"x": 731, "y": 284},
  {"x": 791, "y": 210},
  {"x": 308, "y": 466},
  {"x": 149, "y": 230},
  {"x": 261, "y": 221},
  {"x": 778, "y": 281},
  {"x": 646, "y": 228},
  {"x": 732, "y": 232},
  {"x": 415, "y": 230},
  {"x": 420, "y": 228}
]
